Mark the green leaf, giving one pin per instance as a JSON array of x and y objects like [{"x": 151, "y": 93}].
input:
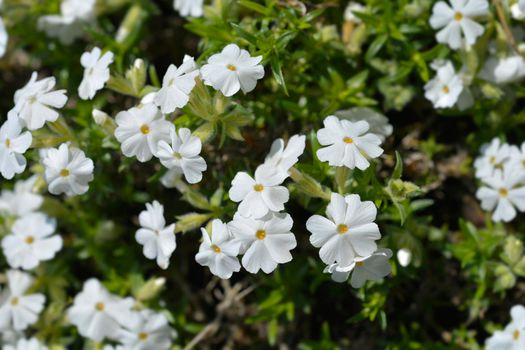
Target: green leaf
[
  {"x": 398, "y": 169},
  {"x": 278, "y": 73},
  {"x": 375, "y": 47}
]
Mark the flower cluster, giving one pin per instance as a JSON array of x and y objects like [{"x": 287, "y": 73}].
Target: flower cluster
[
  {"x": 100, "y": 315},
  {"x": 501, "y": 170}
]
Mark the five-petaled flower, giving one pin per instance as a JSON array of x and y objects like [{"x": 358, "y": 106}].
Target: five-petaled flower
[
  {"x": 347, "y": 143},
  {"x": 232, "y": 70},
  {"x": 347, "y": 233}
]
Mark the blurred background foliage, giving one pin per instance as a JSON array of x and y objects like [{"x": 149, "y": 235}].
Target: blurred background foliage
[{"x": 465, "y": 272}]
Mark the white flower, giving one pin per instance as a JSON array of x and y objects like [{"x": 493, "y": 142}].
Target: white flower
[
  {"x": 157, "y": 238},
  {"x": 34, "y": 102},
  {"x": 172, "y": 178},
  {"x": 26, "y": 344},
  {"x": 518, "y": 10},
  {"x": 503, "y": 70},
  {"x": 3, "y": 38},
  {"x": 513, "y": 336},
  {"x": 456, "y": 20},
  {"x": 220, "y": 251},
  {"x": 100, "y": 117},
  {"x": 260, "y": 195},
  {"x": 266, "y": 242},
  {"x": 189, "y": 8},
  {"x": 69, "y": 24},
  {"x": 13, "y": 144},
  {"x": 139, "y": 131},
  {"x": 68, "y": 170},
  {"x": 233, "y": 69},
  {"x": 283, "y": 158},
  {"x": 32, "y": 240},
  {"x": 22, "y": 200},
  {"x": 352, "y": 7},
  {"x": 148, "y": 330},
  {"x": 503, "y": 191},
  {"x": 183, "y": 154},
  {"x": 348, "y": 143},
  {"x": 404, "y": 257},
  {"x": 96, "y": 72},
  {"x": 347, "y": 233},
  {"x": 493, "y": 155},
  {"x": 18, "y": 310},
  {"x": 98, "y": 314},
  {"x": 177, "y": 85},
  {"x": 516, "y": 159},
  {"x": 379, "y": 124},
  {"x": 446, "y": 87},
  {"x": 371, "y": 268}
]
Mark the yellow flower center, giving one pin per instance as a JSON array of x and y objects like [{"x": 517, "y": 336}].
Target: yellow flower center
[
  {"x": 260, "y": 234},
  {"x": 215, "y": 248},
  {"x": 7, "y": 143},
  {"x": 492, "y": 160},
  {"x": 14, "y": 301},
  {"x": 258, "y": 188},
  {"x": 32, "y": 99},
  {"x": 348, "y": 140},
  {"x": 64, "y": 172},
  {"x": 342, "y": 228},
  {"x": 360, "y": 263},
  {"x": 29, "y": 240},
  {"x": 100, "y": 306},
  {"x": 515, "y": 334},
  {"x": 144, "y": 129},
  {"x": 231, "y": 67},
  {"x": 523, "y": 163},
  {"x": 503, "y": 192},
  {"x": 177, "y": 155},
  {"x": 445, "y": 89},
  {"x": 142, "y": 336},
  {"x": 458, "y": 16}
]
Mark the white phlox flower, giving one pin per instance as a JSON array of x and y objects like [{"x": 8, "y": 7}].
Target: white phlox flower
[
  {"x": 348, "y": 231},
  {"x": 31, "y": 241},
  {"x": 493, "y": 156},
  {"x": 232, "y": 70},
  {"x": 503, "y": 192},
  {"x": 158, "y": 240},
  {"x": 183, "y": 154},
  {"x": 97, "y": 314},
  {"x": 379, "y": 124},
  {"x": 503, "y": 70},
  {"x": 19, "y": 310},
  {"x": 347, "y": 143},
  {"x": 68, "y": 170},
  {"x": 13, "y": 144},
  {"x": 96, "y": 72},
  {"x": 189, "y": 8},
  {"x": 139, "y": 131},
  {"x": 219, "y": 252},
  {"x": 456, "y": 21},
  {"x": 148, "y": 330},
  {"x": 26, "y": 344},
  {"x": 22, "y": 199},
  {"x": 177, "y": 85},
  {"x": 69, "y": 24},
  {"x": 371, "y": 268},
  {"x": 283, "y": 158},
  {"x": 445, "y": 88},
  {"x": 266, "y": 242},
  {"x": 513, "y": 336},
  {"x": 259, "y": 195},
  {"x": 35, "y": 103}
]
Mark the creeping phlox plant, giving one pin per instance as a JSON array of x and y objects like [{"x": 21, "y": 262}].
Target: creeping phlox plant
[{"x": 215, "y": 204}]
